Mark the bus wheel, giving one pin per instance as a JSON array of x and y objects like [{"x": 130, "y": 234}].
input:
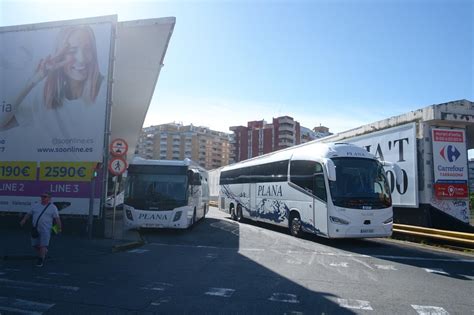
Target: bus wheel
[
  {"x": 232, "y": 213},
  {"x": 295, "y": 225},
  {"x": 239, "y": 216}
]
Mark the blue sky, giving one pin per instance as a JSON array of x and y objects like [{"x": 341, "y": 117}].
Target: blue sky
[{"x": 340, "y": 64}]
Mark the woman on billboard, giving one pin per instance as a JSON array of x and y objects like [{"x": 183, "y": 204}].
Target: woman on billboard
[
  {"x": 61, "y": 111},
  {"x": 70, "y": 74}
]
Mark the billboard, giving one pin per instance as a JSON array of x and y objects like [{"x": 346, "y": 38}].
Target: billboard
[
  {"x": 397, "y": 145},
  {"x": 450, "y": 163},
  {"x": 54, "y": 96}
]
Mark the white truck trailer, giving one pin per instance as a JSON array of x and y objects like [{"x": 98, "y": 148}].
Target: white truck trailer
[{"x": 431, "y": 146}]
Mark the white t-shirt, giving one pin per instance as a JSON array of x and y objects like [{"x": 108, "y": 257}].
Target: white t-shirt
[{"x": 46, "y": 220}]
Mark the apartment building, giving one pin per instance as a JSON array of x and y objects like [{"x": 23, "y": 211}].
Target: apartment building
[
  {"x": 174, "y": 141},
  {"x": 259, "y": 137}
]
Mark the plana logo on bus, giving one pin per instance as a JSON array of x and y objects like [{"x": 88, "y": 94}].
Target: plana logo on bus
[
  {"x": 152, "y": 216},
  {"x": 269, "y": 190}
]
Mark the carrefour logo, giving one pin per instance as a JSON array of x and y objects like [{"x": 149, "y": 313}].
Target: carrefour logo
[{"x": 450, "y": 153}]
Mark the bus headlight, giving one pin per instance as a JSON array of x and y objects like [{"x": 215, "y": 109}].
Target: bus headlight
[
  {"x": 129, "y": 214},
  {"x": 338, "y": 220},
  {"x": 177, "y": 216},
  {"x": 388, "y": 221}
]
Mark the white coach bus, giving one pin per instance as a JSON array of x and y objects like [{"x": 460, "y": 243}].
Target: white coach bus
[
  {"x": 165, "y": 194},
  {"x": 332, "y": 190}
]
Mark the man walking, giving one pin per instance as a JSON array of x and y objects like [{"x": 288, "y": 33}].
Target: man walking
[{"x": 43, "y": 214}]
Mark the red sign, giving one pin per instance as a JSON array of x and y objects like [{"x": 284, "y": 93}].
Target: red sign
[
  {"x": 450, "y": 191},
  {"x": 118, "y": 147},
  {"x": 448, "y": 135},
  {"x": 117, "y": 165}
]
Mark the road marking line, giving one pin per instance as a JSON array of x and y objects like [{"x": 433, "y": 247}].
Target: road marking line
[
  {"x": 323, "y": 253},
  {"x": 363, "y": 263},
  {"x": 18, "y": 311},
  {"x": 311, "y": 259},
  {"x": 386, "y": 267},
  {"x": 294, "y": 262},
  {"x": 437, "y": 271},
  {"x": 429, "y": 310},
  {"x": 341, "y": 264},
  {"x": 221, "y": 292},
  {"x": 138, "y": 251},
  {"x": 18, "y": 288},
  {"x": 161, "y": 301},
  {"x": 209, "y": 247},
  {"x": 157, "y": 286},
  {"x": 34, "y": 284},
  {"x": 424, "y": 259},
  {"x": 23, "y": 306},
  {"x": 284, "y": 297},
  {"x": 59, "y": 274},
  {"x": 355, "y": 304}
]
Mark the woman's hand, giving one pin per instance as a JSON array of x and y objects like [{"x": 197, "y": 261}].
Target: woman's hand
[
  {"x": 45, "y": 67},
  {"x": 48, "y": 65}
]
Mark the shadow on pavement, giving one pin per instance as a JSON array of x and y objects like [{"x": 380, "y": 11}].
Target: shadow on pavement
[{"x": 211, "y": 255}]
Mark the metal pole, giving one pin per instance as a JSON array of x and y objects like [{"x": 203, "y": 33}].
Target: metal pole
[
  {"x": 115, "y": 203},
  {"x": 91, "y": 209}
]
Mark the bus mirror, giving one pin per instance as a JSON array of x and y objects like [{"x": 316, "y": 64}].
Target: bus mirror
[
  {"x": 396, "y": 169},
  {"x": 194, "y": 178},
  {"x": 330, "y": 169},
  {"x": 197, "y": 179}
]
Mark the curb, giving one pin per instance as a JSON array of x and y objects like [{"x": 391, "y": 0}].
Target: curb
[{"x": 127, "y": 246}]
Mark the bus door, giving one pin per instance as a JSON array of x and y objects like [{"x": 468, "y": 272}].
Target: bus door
[
  {"x": 312, "y": 197},
  {"x": 320, "y": 204}
]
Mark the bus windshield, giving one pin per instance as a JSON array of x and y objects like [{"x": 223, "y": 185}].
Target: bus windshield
[
  {"x": 156, "y": 192},
  {"x": 360, "y": 184}
]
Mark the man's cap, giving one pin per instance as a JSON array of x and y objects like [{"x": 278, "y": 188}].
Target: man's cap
[{"x": 46, "y": 194}]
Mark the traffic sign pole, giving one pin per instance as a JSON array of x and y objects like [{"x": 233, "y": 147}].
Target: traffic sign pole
[
  {"x": 117, "y": 166},
  {"x": 90, "y": 218},
  {"x": 116, "y": 184}
]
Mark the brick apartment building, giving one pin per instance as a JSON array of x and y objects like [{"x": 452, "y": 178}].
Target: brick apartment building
[{"x": 259, "y": 138}]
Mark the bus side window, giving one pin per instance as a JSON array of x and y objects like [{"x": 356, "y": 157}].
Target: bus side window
[
  {"x": 309, "y": 176},
  {"x": 301, "y": 173}
]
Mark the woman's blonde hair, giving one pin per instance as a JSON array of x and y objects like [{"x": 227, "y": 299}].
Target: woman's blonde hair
[{"x": 54, "y": 88}]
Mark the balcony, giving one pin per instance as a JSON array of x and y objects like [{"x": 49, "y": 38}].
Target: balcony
[
  {"x": 286, "y": 120},
  {"x": 285, "y": 143},
  {"x": 286, "y": 127},
  {"x": 282, "y": 136}
]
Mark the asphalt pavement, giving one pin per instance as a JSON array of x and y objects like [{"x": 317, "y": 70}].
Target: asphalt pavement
[
  {"x": 225, "y": 267},
  {"x": 15, "y": 242}
]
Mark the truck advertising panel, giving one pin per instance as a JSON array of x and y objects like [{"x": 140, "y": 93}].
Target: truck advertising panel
[
  {"x": 397, "y": 145},
  {"x": 54, "y": 87},
  {"x": 451, "y": 172}
]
